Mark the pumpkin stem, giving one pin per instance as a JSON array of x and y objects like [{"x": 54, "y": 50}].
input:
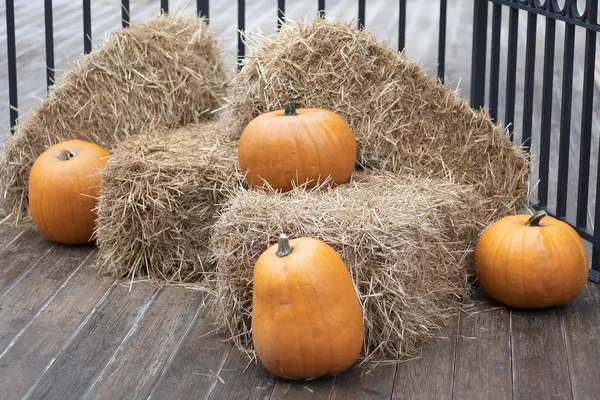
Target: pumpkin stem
[
  {"x": 65, "y": 155},
  {"x": 290, "y": 108},
  {"x": 283, "y": 246},
  {"x": 536, "y": 218}
]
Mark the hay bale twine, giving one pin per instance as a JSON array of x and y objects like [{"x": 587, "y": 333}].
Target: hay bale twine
[
  {"x": 158, "y": 200},
  {"x": 406, "y": 240},
  {"x": 169, "y": 71},
  {"x": 401, "y": 116}
]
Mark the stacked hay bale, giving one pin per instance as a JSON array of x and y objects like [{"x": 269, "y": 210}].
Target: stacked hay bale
[
  {"x": 158, "y": 200},
  {"x": 168, "y": 72}
]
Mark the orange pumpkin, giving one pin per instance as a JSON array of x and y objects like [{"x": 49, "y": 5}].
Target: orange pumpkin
[
  {"x": 306, "y": 318},
  {"x": 293, "y": 147},
  {"x": 531, "y": 261},
  {"x": 63, "y": 185}
]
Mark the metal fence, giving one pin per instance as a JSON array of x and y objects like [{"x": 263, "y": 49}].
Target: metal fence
[{"x": 569, "y": 12}]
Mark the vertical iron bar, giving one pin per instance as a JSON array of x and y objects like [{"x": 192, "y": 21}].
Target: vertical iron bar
[
  {"x": 479, "y": 53},
  {"x": 87, "y": 27},
  {"x": 361, "y": 13},
  {"x": 511, "y": 74},
  {"x": 402, "y": 25},
  {"x": 495, "y": 60},
  {"x": 12, "y": 63},
  {"x": 529, "y": 80},
  {"x": 280, "y": 13},
  {"x": 49, "y": 43},
  {"x": 565, "y": 122},
  {"x": 442, "y": 40},
  {"x": 125, "y": 16},
  {"x": 241, "y": 29},
  {"x": 587, "y": 111},
  {"x": 546, "y": 124},
  {"x": 202, "y": 8},
  {"x": 321, "y": 8},
  {"x": 164, "y": 6}
]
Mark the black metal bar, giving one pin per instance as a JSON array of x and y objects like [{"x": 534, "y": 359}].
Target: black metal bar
[
  {"x": 565, "y": 122},
  {"x": 241, "y": 29},
  {"x": 12, "y": 63},
  {"x": 587, "y": 111},
  {"x": 125, "y": 16},
  {"x": 596, "y": 238},
  {"x": 49, "y": 27},
  {"x": 479, "y": 53},
  {"x": 584, "y": 233},
  {"x": 511, "y": 74},
  {"x": 321, "y": 8},
  {"x": 203, "y": 9},
  {"x": 529, "y": 80},
  {"x": 87, "y": 27},
  {"x": 164, "y": 6},
  {"x": 361, "y": 13},
  {"x": 280, "y": 13},
  {"x": 546, "y": 124},
  {"x": 402, "y": 25},
  {"x": 495, "y": 61},
  {"x": 442, "y": 40}
]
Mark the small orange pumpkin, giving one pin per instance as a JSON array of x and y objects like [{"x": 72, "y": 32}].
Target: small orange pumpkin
[
  {"x": 531, "y": 261},
  {"x": 63, "y": 185},
  {"x": 306, "y": 318},
  {"x": 293, "y": 147}
]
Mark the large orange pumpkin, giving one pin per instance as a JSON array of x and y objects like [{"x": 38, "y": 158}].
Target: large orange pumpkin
[
  {"x": 531, "y": 261},
  {"x": 293, "y": 147},
  {"x": 306, "y": 318},
  {"x": 63, "y": 185}
]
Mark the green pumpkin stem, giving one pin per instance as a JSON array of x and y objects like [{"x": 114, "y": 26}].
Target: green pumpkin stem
[
  {"x": 65, "y": 155},
  {"x": 536, "y": 218},
  {"x": 290, "y": 108},
  {"x": 283, "y": 246}
]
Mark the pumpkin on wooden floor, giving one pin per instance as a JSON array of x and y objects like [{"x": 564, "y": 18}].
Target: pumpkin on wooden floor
[
  {"x": 306, "y": 318},
  {"x": 63, "y": 185},
  {"x": 533, "y": 261},
  {"x": 292, "y": 147}
]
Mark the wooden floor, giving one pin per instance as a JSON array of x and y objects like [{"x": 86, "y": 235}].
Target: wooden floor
[{"x": 68, "y": 333}]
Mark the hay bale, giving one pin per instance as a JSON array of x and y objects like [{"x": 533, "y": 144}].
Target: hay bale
[
  {"x": 406, "y": 240},
  {"x": 158, "y": 200},
  {"x": 169, "y": 71},
  {"x": 401, "y": 116}
]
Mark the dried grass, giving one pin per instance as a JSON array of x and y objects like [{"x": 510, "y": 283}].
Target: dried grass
[
  {"x": 168, "y": 72},
  {"x": 406, "y": 240},
  {"x": 401, "y": 117},
  {"x": 158, "y": 200}
]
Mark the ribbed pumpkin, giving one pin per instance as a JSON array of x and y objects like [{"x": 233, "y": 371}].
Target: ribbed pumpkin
[
  {"x": 534, "y": 261},
  {"x": 306, "y": 318},
  {"x": 296, "y": 146},
  {"x": 63, "y": 185}
]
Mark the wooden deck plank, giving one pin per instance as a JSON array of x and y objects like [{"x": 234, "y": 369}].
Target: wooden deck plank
[
  {"x": 19, "y": 307},
  {"x": 483, "y": 358},
  {"x": 31, "y": 353},
  {"x": 136, "y": 366},
  {"x": 431, "y": 375},
  {"x": 539, "y": 356},
  {"x": 581, "y": 321},
  {"x": 194, "y": 370},
  {"x": 8, "y": 234},
  {"x": 314, "y": 389},
  {"x": 81, "y": 361},
  {"x": 368, "y": 381},
  {"x": 242, "y": 378}
]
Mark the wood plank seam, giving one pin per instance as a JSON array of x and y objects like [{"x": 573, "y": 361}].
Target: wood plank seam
[
  {"x": 457, "y": 334},
  {"x": 13, "y": 240},
  {"x": 24, "y": 274},
  {"x": 72, "y": 337},
  {"x": 511, "y": 350},
  {"x": 45, "y": 305},
  {"x": 129, "y": 334},
  {"x": 563, "y": 332}
]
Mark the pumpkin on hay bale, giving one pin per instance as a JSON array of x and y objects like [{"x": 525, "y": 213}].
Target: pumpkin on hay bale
[
  {"x": 159, "y": 195},
  {"x": 169, "y": 71},
  {"x": 400, "y": 116},
  {"x": 407, "y": 241}
]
